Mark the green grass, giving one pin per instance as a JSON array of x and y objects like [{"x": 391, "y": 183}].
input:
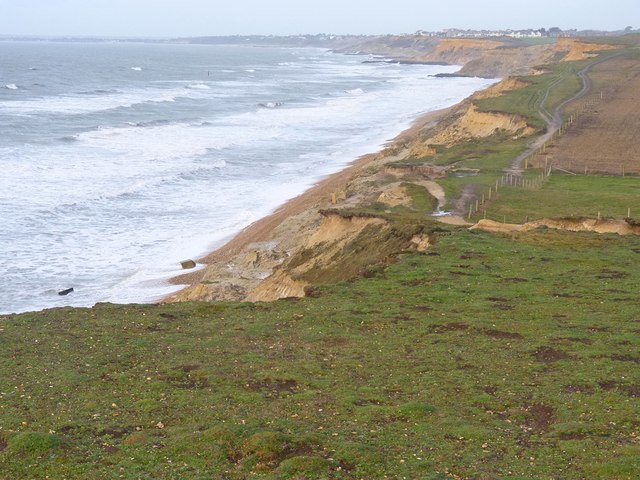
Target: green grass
[
  {"x": 488, "y": 357},
  {"x": 568, "y": 196},
  {"x": 422, "y": 201},
  {"x": 542, "y": 91}
]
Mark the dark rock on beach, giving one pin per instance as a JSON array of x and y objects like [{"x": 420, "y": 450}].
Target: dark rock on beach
[{"x": 188, "y": 264}]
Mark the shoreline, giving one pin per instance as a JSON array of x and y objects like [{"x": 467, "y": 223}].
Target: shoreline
[{"x": 313, "y": 199}]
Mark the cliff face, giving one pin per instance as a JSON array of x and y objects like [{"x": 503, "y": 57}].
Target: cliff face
[
  {"x": 465, "y": 122},
  {"x": 318, "y": 251},
  {"x": 578, "y": 50},
  {"x": 479, "y": 57},
  {"x": 502, "y": 62},
  {"x": 475, "y": 124},
  {"x": 459, "y": 51}
]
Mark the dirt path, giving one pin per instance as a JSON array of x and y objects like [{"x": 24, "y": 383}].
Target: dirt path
[
  {"x": 603, "y": 137},
  {"x": 435, "y": 191},
  {"x": 554, "y": 121}
]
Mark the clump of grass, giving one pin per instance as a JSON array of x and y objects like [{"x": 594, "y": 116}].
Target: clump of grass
[
  {"x": 308, "y": 466},
  {"x": 33, "y": 443},
  {"x": 266, "y": 447}
]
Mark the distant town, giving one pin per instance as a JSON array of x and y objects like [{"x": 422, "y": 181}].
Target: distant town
[
  {"x": 327, "y": 38},
  {"x": 552, "y": 32}
]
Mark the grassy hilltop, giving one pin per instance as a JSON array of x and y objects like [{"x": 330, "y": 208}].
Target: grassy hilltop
[{"x": 487, "y": 355}]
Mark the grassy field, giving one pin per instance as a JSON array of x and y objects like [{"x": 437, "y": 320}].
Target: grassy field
[
  {"x": 487, "y": 356},
  {"x": 568, "y": 196}
]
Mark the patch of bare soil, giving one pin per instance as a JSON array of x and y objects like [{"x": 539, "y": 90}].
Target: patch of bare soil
[
  {"x": 550, "y": 355},
  {"x": 501, "y": 334},
  {"x": 274, "y": 388},
  {"x": 604, "y": 136},
  {"x": 613, "y": 385},
  {"x": 621, "y": 227},
  {"x": 539, "y": 418}
]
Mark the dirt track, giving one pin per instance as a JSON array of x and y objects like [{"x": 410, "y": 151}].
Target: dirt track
[{"x": 603, "y": 138}]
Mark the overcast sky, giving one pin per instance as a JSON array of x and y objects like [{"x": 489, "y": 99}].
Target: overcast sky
[{"x": 162, "y": 18}]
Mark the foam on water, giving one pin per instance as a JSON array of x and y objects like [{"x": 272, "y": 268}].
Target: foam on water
[
  {"x": 87, "y": 103},
  {"x": 110, "y": 181}
]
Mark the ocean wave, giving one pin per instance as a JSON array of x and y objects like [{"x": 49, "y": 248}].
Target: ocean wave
[
  {"x": 151, "y": 123},
  {"x": 271, "y": 104},
  {"x": 202, "y": 172},
  {"x": 136, "y": 69},
  {"x": 89, "y": 103},
  {"x": 163, "y": 144},
  {"x": 101, "y": 91},
  {"x": 198, "y": 86},
  {"x": 11, "y": 86},
  {"x": 355, "y": 91}
]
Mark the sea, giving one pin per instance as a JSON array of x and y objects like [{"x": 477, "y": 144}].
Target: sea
[{"x": 120, "y": 160}]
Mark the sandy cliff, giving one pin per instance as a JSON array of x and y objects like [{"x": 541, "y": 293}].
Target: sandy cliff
[{"x": 487, "y": 58}]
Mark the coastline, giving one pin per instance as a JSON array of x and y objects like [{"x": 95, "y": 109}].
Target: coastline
[
  {"x": 248, "y": 266},
  {"x": 307, "y": 205}
]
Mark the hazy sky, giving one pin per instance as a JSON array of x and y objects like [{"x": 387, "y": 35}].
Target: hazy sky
[{"x": 284, "y": 17}]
